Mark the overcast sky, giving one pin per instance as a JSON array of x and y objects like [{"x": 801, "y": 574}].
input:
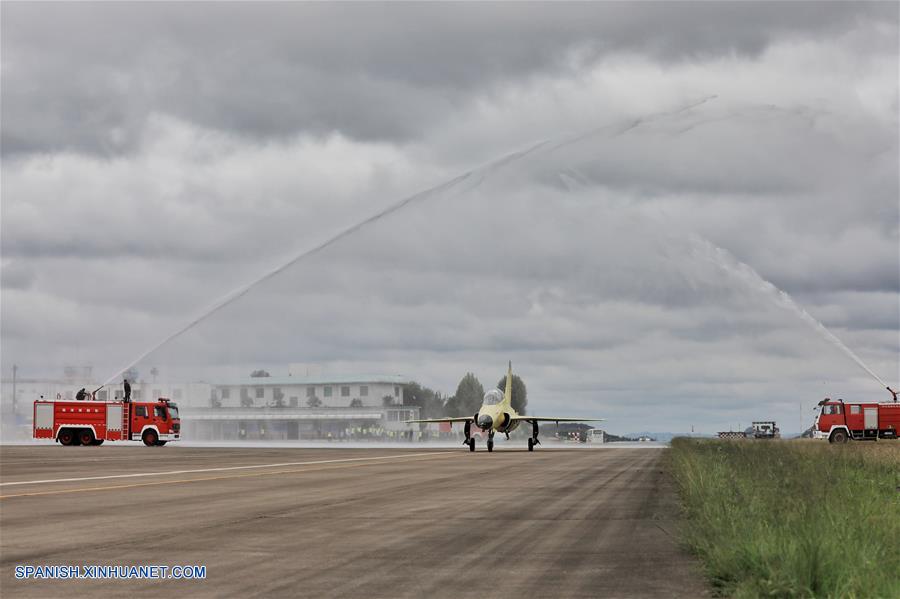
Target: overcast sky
[{"x": 156, "y": 156}]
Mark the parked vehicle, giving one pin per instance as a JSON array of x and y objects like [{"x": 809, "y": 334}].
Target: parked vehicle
[
  {"x": 93, "y": 422},
  {"x": 840, "y": 422},
  {"x": 765, "y": 430},
  {"x": 596, "y": 435}
]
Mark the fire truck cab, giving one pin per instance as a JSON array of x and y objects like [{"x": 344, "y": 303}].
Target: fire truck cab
[
  {"x": 840, "y": 422},
  {"x": 93, "y": 422}
]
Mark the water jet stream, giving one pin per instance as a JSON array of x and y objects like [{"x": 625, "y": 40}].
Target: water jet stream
[
  {"x": 728, "y": 262},
  {"x": 474, "y": 177}
]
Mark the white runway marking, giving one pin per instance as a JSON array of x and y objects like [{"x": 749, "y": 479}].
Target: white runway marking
[{"x": 221, "y": 469}]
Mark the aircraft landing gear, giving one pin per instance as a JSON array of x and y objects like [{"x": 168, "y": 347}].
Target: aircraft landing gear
[
  {"x": 533, "y": 440},
  {"x": 490, "y": 443},
  {"x": 467, "y": 429}
]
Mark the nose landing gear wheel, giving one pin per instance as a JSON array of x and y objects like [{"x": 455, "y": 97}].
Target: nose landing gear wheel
[
  {"x": 490, "y": 445},
  {"x": 530, "y": 444},
  {"x": 472, "y": 444}
]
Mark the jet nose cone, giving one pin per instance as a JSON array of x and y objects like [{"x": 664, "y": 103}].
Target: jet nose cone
[{"x": 485, "y": 421}]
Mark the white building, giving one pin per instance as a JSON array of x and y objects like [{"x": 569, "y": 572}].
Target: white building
[
  {"x": 317, "y": 391},
  {"x": 296, "y": 407}
]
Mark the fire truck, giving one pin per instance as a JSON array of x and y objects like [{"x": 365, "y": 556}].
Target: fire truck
[
  {"x": 93, "y": 422},
  {"x": 840, "y": 422}
]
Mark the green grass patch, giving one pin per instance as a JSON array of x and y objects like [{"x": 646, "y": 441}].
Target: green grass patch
[{"x": 793, "y": 518}]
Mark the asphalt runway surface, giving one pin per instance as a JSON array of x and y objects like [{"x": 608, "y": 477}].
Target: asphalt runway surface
[{"x": 285, "y": 522}]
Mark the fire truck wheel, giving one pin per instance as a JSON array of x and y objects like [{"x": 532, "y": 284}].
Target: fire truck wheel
[
  {"x": 838, "y": 436},
  {"x": 150, "y": 438},
  {"x": 161, "y": 443},
  {"x": 86, "y": 437},
  {"x": 66, "y": 437}
]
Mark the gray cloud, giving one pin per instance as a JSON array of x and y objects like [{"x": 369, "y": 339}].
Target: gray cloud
[{"x": 86, "y": 77}]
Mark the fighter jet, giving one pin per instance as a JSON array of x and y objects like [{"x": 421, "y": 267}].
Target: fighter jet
[{"x": 496, "y": 415}]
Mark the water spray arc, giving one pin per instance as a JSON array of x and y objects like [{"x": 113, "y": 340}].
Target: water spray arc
[
  {"x": 462, "y": 184},
  {"x": 472, "y": 179},
  {"x": 725, "y": 260}
]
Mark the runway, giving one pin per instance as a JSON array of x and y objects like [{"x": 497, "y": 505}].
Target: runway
[{"x": 288, "y": 522}]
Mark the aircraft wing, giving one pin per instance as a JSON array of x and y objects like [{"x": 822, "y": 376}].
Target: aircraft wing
[
  {"x": 554, "y": 419},
  {"x": 457, "y": 419}
]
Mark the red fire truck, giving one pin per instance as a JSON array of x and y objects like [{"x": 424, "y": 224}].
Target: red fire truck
[
  {"x": 93, "y": 422},
  {"x": 840, "y": 422}
]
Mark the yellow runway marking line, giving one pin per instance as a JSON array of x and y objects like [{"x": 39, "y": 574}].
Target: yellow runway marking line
[
  {"x": 209, "y": 478},
  {"x": 219, "y": 469}
]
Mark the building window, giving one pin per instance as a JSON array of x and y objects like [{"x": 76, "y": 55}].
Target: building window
[
  {"x": 136, "y": 394},
  {"x": 176, "y": 394},
  {"x": 260, "y": 393},
  {"x": 103, "y": 395},
  {"x": 226, "y": 393},
  {"x": 327, "y": 392},
  {"x": 295, "y": 401},
  {"x": 363, "y": 390},
  {"x": 396, "y": 391},
  {"x": 345, "y": 391},
  {"x": 396, "y": 415},
  {"x": 310, "y": 392}
]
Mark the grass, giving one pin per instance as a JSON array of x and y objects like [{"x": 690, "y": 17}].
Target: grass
[{"x": 793, "y": 518}]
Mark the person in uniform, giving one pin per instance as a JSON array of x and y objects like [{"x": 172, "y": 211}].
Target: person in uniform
[{"x": 127, "y": 391}]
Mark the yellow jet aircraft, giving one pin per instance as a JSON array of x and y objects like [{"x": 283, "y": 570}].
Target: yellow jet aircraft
[{"x": 497, "y": 415}]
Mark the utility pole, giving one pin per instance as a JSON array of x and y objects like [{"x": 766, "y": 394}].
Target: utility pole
[{"x": 14, "y": 401}]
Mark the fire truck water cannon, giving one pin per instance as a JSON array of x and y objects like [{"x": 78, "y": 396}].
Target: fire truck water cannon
[{"x": 894, "y": 393}]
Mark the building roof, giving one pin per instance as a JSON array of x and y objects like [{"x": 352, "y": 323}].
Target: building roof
[{"x": 285, "y": 381}]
